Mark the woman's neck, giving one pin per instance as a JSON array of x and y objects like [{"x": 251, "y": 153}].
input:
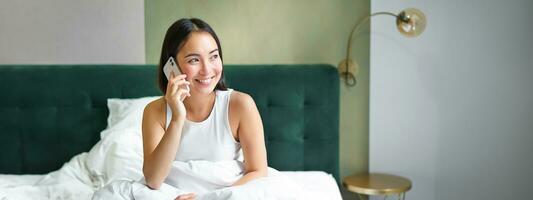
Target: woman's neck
[{"x": 199, "y": 106}]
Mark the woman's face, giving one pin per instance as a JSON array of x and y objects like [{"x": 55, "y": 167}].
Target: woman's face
[{"x": 200, "y": 60}]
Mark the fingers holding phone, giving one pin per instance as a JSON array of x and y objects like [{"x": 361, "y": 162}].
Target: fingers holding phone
[
  {"x": 182, "y": 86},
  {"x": 177, "y": 91}
]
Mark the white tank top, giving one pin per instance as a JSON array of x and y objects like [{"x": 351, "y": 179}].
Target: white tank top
[{"x": 211, "y": 139}]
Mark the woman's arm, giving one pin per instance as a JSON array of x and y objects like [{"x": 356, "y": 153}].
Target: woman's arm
[
  {"x": 159, "y": 147},
  {"x": 251, "y": 137}
]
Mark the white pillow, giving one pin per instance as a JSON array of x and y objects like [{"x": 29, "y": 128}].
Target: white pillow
[
  {"x": 125, "y": 113},
  {"x": 118, "y": 155}
]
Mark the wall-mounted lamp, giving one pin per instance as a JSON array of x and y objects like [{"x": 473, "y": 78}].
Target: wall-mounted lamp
[{"x": 410, "y": 22}]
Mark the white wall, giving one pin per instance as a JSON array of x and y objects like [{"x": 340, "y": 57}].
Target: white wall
[
  {"x": 71, "y": 31},
  {"x": 453, "y": 109}
]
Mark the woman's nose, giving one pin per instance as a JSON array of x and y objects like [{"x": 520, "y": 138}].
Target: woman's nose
[{"x": 206, "y": 65}]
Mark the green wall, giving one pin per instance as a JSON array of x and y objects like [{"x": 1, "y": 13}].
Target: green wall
[{"x": 284, "y": 32}]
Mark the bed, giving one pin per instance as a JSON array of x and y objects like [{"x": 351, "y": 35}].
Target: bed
[{"x": 51, "y": 117}]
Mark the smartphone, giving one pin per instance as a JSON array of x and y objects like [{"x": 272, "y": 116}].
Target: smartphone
[{"x": 172, "y": 67}]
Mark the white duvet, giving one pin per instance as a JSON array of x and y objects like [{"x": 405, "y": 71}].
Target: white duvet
[{"x": 116, "y": 163}]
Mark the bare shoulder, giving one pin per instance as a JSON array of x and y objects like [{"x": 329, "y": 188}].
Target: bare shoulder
[
  {"x": 155, "y": 110},
  {"x": 154, "y": 105},
  {"x": 241, "y": 102},
  {"x": 242, "y": 108}
]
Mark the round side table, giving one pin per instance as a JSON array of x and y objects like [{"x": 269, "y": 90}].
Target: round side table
[{"x": 377, "y": 184}]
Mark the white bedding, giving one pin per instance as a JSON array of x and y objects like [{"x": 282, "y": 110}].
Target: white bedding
[
  {"x": 24, "y": 187},
  {"x": 118, "y": 156}
]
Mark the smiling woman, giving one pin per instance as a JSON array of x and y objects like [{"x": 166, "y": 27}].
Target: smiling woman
[
  {"x": 196, "y": 48},
  {"x": 199, "y": 58},
  {"x": 178, "y": 38},
  {"x": 213, "y": 124}
]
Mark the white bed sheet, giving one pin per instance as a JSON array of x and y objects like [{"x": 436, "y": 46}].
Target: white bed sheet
[
  {"x": 316, "y": 181},
  {"x": 21, "y": 187}
]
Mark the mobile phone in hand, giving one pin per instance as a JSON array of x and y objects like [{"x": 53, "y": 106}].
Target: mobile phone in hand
[{"x": 172, "y": 67}]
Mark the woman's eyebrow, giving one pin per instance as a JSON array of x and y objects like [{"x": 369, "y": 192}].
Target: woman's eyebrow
[
  {"x": 192, "y": 54},
  {"x": 195, "y": 54}
]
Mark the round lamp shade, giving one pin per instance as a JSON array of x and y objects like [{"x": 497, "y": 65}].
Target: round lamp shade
[{"x": 411, "y": 22}]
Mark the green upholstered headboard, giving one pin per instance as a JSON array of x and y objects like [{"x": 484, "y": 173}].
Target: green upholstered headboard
[{"x": 49, "y": 113}]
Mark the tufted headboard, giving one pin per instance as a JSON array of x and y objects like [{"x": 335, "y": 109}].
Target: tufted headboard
[{"x": 49, "y": 113}]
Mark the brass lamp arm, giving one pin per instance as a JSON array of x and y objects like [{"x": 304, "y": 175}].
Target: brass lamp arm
[
  {"x": 358, "y": 25},
  {"x": 410, "y": 22},
  {"x": 347, "y": 64}
]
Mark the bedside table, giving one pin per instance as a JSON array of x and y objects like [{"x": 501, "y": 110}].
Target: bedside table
[{"x": 377, "y": 184}]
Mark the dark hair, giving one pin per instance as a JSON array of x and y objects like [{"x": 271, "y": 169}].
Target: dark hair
[{"x": 175, "y": 37}]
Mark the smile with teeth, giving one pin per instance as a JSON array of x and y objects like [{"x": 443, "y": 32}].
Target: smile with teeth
[{"x": 205, "y": 81}]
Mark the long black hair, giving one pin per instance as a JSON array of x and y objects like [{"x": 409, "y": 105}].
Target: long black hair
[{"x": 177, "y": 34}]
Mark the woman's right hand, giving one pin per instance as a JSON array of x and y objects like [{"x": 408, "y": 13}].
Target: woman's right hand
[
  {"x": 189, "y": 196},
  {"x": 176, "y": 92}
]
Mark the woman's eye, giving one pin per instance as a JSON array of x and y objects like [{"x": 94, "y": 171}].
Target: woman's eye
[
  {"x": 214, "y": 57},
  {"x": 194, "y": 60}
]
